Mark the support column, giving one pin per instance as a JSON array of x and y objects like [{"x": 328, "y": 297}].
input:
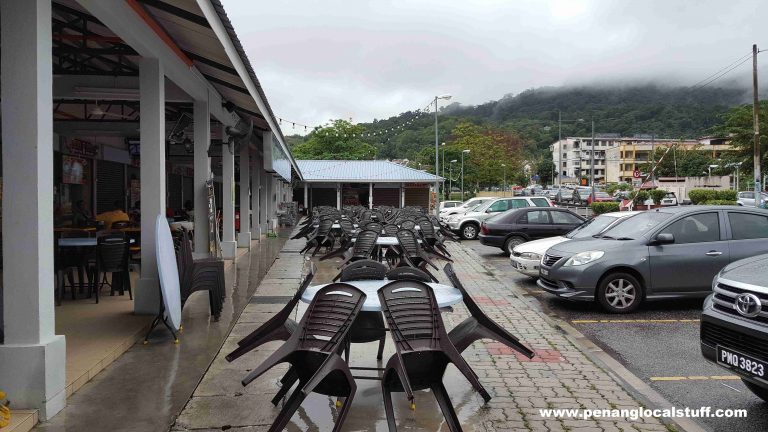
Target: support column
[
  {"x": 263, "y": 202},
  {"x": 228, "y": 244},
  {"x": 402, "y": 195},
  {"x": 33, "y": 358},
  {"x": 306, "y": 197},
  {"x": 271, "y": 200},
  {"x": 153, "y": 188},
  {"x": 244, "y": 236},
  {"x": 255, "y": 208},
  {"x": 370, "y": 196},
  {"x": 202, "y": 136},
  {"x": 338, "y": 196}
]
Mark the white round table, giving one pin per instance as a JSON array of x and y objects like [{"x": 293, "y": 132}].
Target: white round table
[
  {"x": 189, "y": 226},
  {"x": 445, "y": 295},
  {"x": 387, "y": 241},
  {"x": 80, "y": 242}
]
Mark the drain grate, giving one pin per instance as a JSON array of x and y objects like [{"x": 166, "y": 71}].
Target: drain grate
[{"x": 270, "y": 299}]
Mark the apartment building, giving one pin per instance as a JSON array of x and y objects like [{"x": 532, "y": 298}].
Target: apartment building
[{"x": 573, "y": 157}]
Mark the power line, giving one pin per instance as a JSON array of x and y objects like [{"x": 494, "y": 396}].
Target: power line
[
  {"x": 722, "y": 74},
  {"x": 726, "y": 67}
]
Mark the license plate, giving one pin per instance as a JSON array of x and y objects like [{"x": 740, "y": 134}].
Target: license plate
[
  {"x": 545, "y": 272},
  {"x": 744, "y": 363}
]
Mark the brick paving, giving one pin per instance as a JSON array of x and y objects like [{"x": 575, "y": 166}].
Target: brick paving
[{"x": 560, "y": 376}]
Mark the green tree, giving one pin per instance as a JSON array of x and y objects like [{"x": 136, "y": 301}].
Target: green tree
[{"x": 339, "y": 141}]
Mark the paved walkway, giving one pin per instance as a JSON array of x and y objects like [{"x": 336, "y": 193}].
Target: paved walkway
[{"x": 561, "y": 376}]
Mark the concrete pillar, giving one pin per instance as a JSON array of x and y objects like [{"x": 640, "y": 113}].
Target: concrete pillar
[
  {"x": 370, "y": 196},
  {"x": 402, "y": 195},
  {"x": 33, "y": 358},
  {"x": 152, "y": 168},
  {"x": 202, "y": 135},
  {"x": 255, "y": 184},
  {"x": 271, "y": 193},
  {"x": 228, "y": 244},
  {"x": 306, "y": 196},
  {"x": 263, "y": 201},
  {"x": 338, "y": 196},
  {"x": 244, "y": 236}
]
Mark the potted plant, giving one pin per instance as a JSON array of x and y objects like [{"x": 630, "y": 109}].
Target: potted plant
[{"x": 638, "y": 200}]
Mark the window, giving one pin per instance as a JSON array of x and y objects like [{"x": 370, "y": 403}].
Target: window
[
  {"x": 498, "y": 206},
  {"x": 518, "y": 203},
  {"x": 540, "y": 202},
  {"x": 748, "y": 226},
  {"x": 534, "y": 217},
  {"x": 561, "y": 217},
  {"x": 697, "y": 228}
]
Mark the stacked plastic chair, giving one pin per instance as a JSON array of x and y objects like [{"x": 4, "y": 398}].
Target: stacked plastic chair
[{"x": 204, "y": 274}]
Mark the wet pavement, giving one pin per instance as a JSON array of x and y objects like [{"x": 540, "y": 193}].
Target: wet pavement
[
  {"x": 148, "y": 386},
  {"x": 659, "y": 344},
  {"x": 561, "y": 376}
]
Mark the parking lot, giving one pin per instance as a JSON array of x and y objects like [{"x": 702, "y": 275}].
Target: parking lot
[{"x": 659, "y": 344}]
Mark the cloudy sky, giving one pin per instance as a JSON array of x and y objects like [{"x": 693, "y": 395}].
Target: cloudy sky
[{"x": 321, "y": 60}]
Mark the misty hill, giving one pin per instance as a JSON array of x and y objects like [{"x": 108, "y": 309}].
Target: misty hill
[{"x": 667, "y": 112}]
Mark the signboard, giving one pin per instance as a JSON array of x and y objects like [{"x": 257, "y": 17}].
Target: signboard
[
  {"x": 76, "y": 147},
  {"x": 275, "y": 159},
  {"x": 214, "y": 242},
  {"x": 73, "y": 170},
  {"x": 637, "y": 174},
  {"x": 636, "y": 182}
]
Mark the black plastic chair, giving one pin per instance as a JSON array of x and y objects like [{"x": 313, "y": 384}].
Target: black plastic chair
[
  {"x": 369, "y": 326},
  {"x": 408, "y": 225},
  {"x": 431, "y": 241},
  {"x": 279, "y": 327},
  {"x": 424, "y": 349},
  {"x": 321, "y": 237},
  {"x": 348, "y": 232},
  {"x": 313, "y": 352},
  {"x": 408, "y": 273},
  {"x": 203, "y": 274},
  {"x": 412, "y": 254},
  {"x": 111, "y": 256},
  {"x": 391, "y": 230},
  {"x": 365, "y": 244},
  {"x": 363, "y": 270},
  {"x": 478, "y": 325}
]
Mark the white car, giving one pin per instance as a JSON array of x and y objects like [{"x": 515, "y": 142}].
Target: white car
[
  {"x": 527, "y": 256},
  {"x": 468, "y": 205},
  {"x": 747, "y": 198},
  {"x": 445, "y": 205}
]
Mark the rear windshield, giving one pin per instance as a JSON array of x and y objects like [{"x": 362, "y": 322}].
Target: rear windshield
[
  {"x": 540, "y": 202},
  {"x": 640, "y": 224}
]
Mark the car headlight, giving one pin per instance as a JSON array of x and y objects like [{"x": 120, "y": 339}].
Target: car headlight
[
  {"x": 583, "y": 258},
  {"x": 530, "y": 256}
]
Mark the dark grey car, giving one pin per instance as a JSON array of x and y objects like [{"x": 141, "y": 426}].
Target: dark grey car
[
  {"x": 733, "y": 324},
  {"x": 664, "y": 253}
]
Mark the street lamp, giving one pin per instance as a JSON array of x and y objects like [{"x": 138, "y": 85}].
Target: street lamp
[
  {"x": 450, "y": 178},
  {"x": 443, "y": 148},
  {"x": 437, "y": 159},
  {"x": 709, "y": 171},
  {"x": 504, "y": 183},
  {"x": 462, "y": 173}
]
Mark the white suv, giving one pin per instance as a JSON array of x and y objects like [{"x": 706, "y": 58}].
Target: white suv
[{"x": 468, "y": 205}]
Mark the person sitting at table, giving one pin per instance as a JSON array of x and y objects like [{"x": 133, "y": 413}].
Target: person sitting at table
[
  {"x": 81, "y": 217},
  {"x": 115, "y": 215}
]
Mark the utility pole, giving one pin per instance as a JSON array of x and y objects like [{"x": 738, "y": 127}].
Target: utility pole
[
  {"x": 437, "y": 168},
  {"x": 444, "y": 195},
  {"x": 592, "y": 162},
  {"x": 559, "y": 144},
  {"x": 755, "y": 113}
]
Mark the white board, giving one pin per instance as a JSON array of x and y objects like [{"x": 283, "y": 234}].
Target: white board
[{"x": 168, "y": 272}]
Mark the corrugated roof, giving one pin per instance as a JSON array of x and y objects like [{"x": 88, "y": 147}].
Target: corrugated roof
[{"x": 363, "y": 171}]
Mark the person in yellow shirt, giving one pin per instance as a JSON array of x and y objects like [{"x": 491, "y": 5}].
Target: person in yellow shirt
[{"x": 115, "y": 215}]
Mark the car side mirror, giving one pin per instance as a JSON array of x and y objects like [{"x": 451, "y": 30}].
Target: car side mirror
[
  {"x": 664, "y": 238},
  {"x": 489, "y": 211}
]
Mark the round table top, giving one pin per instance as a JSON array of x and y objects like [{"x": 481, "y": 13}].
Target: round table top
[
  {"x": 445, "y": 295},
  {"x": 80, "y": 241},
  {"x": 387, "y": 241},
  {"x": 189, "y": 226}
]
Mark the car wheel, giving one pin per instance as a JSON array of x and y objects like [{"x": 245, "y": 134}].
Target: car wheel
[
  {"x": 512, "y": 243},
  {"x": 760, "y": 392},
  {"x": 620, "y": 293},
  {"x": 469, "y": 231}
]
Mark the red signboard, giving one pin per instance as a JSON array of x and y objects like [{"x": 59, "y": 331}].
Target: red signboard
[{"x": 76, "y": 147}]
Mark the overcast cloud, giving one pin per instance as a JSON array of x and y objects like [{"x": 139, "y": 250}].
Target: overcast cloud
[{"x": 321, "y": 60}]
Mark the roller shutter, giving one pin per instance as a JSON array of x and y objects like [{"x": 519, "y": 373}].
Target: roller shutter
[
  {"x": 386, "y": 197},
  {"x": 322, "y": 197},
  {"x": 110, "y": 185},
  {"x": 417, "y": 197}
]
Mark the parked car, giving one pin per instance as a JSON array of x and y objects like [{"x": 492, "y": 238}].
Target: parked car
[
  {"x": 444, "y": 205},
  {"x": 527, "y": 256},
  {"x": 599, "y": 197},
  {"x": 747, "y": 199},
  {"x": 733, "y": 324},
  {"x": 580, "y": 196},
  {"x": 670, "y": 199},
  {"x": 515, "y": 227},
  {"x": 670, "y": 252},
  {"x": 467, "y": 205},
  {"x": 468, "y": 224}
]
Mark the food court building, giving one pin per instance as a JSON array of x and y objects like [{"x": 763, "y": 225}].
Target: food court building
[{"x": 119, "y": 100}]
